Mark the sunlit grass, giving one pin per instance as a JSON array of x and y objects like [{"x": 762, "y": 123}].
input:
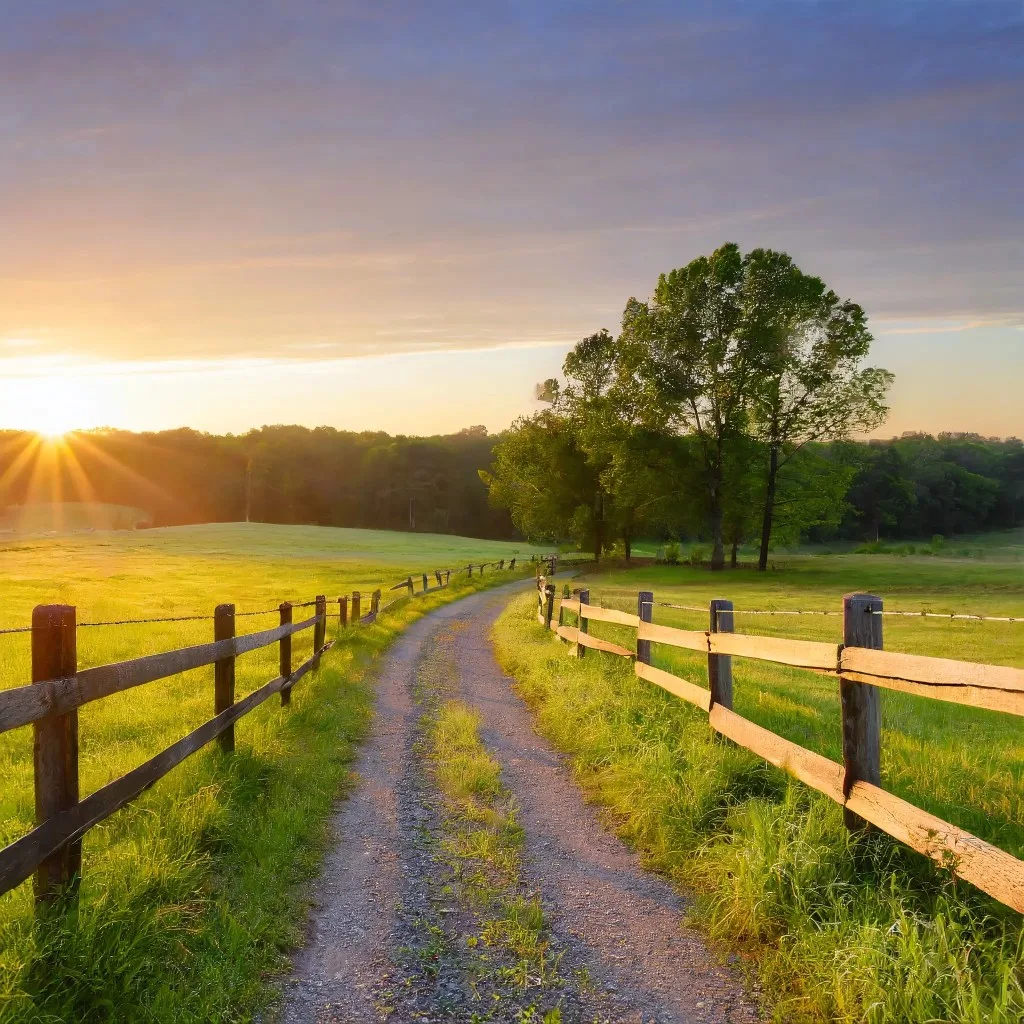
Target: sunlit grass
[
  {"x": 840, "y": 929},
  {"x": 965, "y": 765},
  {"x": 191, "y": 896}
]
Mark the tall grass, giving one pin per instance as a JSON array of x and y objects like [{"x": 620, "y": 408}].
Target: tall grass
[{"x": 837, "y": 927}]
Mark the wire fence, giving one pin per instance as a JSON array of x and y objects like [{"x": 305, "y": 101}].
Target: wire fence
[
  {"x": 208, "y": 616},
  {"x": 811, "y": 612}
]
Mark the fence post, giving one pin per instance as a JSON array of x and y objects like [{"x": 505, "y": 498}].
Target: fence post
[
  {"x": 285, "y": 667},
  {"x": 342, "y": 612},
  {"x": 425, "y": 583},
  {"x": 224, "y": 673},
  {"x": 356, "y": 599},
  {"x": 320, "y": 629},
  {"x": 482, "y": 564},
  {"x": 408, "y": 583},
  {"x": 437, "y": 576},
  {"x": 720, "y": 665},
  {"x": 470, "y": 568},
  {"x": 860, "y": 703},
  {"x": 549, "y": 604},
  {"x": 447, "y": 576},
  {"x": 645, "y": 613},
  {"x": 54, "y": 656},
  {"x": 512, "y": 564},
  {"x": 583, "y": 624},
  {"x": 375, "y": 603}
]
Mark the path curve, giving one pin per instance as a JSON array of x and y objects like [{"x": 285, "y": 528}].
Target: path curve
[{"x": 619, "y": 922}]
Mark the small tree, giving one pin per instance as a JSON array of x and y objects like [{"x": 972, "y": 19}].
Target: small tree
[{"x": 541, "y": 476}]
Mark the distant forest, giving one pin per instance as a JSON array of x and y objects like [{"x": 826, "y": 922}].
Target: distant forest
[
  {"x": 909, "y": 487},
  {"x": 287, "y": 474}
]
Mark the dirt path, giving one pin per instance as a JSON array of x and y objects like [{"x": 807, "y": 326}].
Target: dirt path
[{"x": 393, "y": 937}]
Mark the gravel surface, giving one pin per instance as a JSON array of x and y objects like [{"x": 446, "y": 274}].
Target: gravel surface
[{"x": 390, "y": 939}]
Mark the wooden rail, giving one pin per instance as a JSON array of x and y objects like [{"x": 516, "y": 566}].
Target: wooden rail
[
  {"x": 52, "y": 849},
  {"x": 860, "y": 667}
]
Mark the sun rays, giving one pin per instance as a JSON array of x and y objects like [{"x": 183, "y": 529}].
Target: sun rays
[{"x": 57, "y": 470}]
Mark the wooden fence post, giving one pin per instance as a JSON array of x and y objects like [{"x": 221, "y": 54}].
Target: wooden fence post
[
  {"x": 408, "y": 583},
  {"x": 285, "y": 666},
  {"x": 54, "y": 656},
  {"x": 645, "y": 613},
  {"x": 356, "y": 599},
  {"x": 861, "y": 704},
  {"x": 376, "y": 602},
  {"x": 583, "y": 624},
  {"x": 224, "y": 673},
  {"x": 470, "y": 568},
  {"x": 426, "y": 585},
  {"x": 320, "y": 629},
  {"x": 720, "y": 665},
  {"x": 342, "y": 612},
  {"x": 437, "y": 576},
  {"x": 482, "y": 564},
  {"x": 549, "y": 604},
  {"x": 512, "y": 564}
]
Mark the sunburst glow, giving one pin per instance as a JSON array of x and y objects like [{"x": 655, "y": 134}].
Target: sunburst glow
[{"x": 52, "y": 404}]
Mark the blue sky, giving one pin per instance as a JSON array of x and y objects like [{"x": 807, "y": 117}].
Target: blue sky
[{"x": 455, "y": 192}]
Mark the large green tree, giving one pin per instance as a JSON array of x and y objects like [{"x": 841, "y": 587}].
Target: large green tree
[
  {"x": 808, "y": 345},
  {"x": 688, "y": 359},
  {"x": 735, "y": 348}
]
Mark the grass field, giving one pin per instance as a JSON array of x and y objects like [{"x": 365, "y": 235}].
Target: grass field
[
  {"x": 191, "y": 895},
  {"x": 840, "y": 929}
]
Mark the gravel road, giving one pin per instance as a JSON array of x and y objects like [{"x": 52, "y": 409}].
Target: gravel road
[{"x": 388, "y": 939}]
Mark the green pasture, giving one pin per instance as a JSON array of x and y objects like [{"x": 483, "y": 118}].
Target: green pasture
[
  {"x": 839, "y": 929},
  {"x": 963, "y": 764},
  {"x": 191, "y": 895}
]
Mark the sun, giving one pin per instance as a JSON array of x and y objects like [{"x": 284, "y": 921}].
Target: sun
[{"x": 51, "y": 406}]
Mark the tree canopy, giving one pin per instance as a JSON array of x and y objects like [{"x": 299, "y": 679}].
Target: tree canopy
[{"x": 745, "y": 360}]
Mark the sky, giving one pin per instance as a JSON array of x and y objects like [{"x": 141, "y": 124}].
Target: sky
[{"x": 400, "y": 216}]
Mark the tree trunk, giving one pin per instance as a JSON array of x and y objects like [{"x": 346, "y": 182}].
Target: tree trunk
[
  {"x": 733, "y": 555},
  {"x": 598, "y": 526},
  {"x": 717, "y": 525},
  {"x": 627, "y": 536},
  {"x": 627, "y": 543},
  {"x": 769, "y": 510}
]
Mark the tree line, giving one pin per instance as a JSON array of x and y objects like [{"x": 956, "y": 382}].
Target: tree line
[
  {"x": 724, "y": 410},
  {"x": 276, "y": 474}
]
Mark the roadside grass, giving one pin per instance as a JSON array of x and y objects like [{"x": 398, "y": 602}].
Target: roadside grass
[
  {"x": 839, "y": 928},
  {"x": 192, "y": 895}
]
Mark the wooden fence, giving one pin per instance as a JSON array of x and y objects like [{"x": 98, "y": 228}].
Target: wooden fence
[
  {"x": 861, "y": 669},
  {"x": 53, "y": 849}
]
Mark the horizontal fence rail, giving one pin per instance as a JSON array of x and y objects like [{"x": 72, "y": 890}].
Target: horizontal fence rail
[
  {"x": 860, "y": 668},
  {"x": 52, "y": 849}
]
